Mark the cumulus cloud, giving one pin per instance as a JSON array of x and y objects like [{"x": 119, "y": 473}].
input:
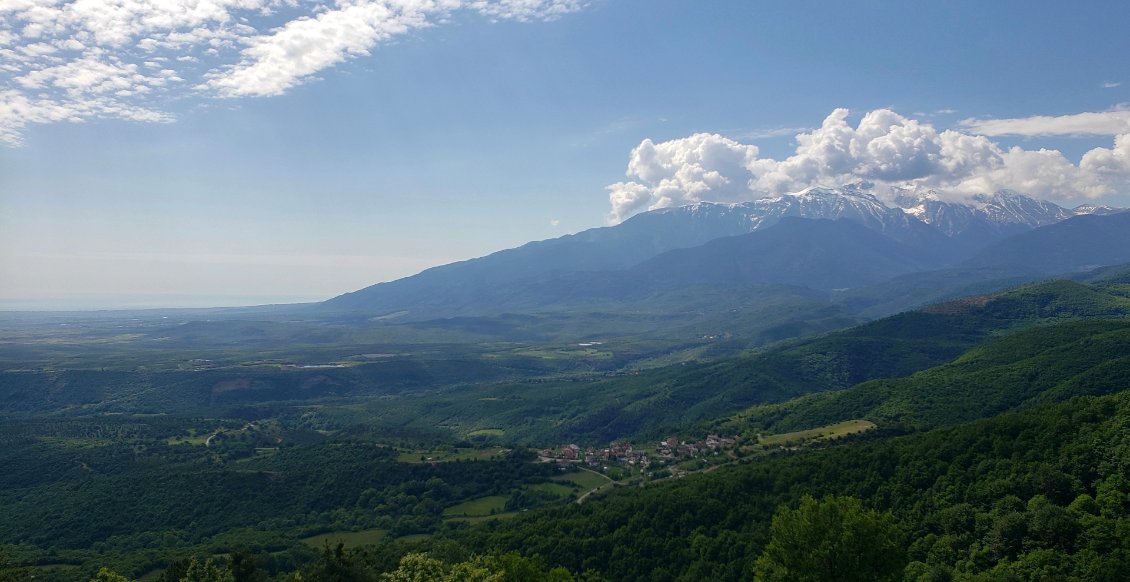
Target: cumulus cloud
[
  {"x": 84, "y": 59},
  {"x": 885, "y": 148},
  {"x": 700, "y": 167}
]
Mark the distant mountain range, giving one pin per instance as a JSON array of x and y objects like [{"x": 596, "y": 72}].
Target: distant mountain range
[
  {"x": 1078, "y": 244},
  {"x": 819, "y": 238}
]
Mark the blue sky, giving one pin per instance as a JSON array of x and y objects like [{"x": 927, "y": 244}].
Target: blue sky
[{"x": 249, "y": 151}]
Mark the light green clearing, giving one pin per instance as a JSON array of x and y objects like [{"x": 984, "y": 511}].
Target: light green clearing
[
  {"x": 494, "y": 432},
  {"x": 441, "y": 456},
  {"x": 562, "y": 353},
  {"x": 558, "y": 489},
  {"x": 481, "y": 518},
  {"x": 189, "y": 439},
  {"x": 478, "y": 507},
  {"x": 351, "y": 539},
  {"x": 585, "y": 479},
  {"x": 828, "y": 432},
  {"x": 413, "y": 537},
  {"x": 74, "y": 442}
]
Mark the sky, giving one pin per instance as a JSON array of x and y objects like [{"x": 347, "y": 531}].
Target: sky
[{"x": 236, "y": 152}]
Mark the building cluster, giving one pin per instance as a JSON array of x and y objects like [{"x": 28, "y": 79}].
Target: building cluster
[
  {"x": 616, "y": 453},
  {"x": 625, "y": 454},
  {"x": 672, "y": 448}
]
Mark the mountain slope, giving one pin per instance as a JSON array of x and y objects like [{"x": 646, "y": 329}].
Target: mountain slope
[
  {"x": 819, "y": 254},
  {"x": 1039, "y": 365},
  {"x": 1076, "y": 244},
  {"x": 945, "y": 232},
  {"x": 816, "y": 254},
  {"x": 1080, "y": 349},
  {"x": 599, "y": 249},
  {"x": 897, "y": 346},
  {"x": 794, "y": 252}
]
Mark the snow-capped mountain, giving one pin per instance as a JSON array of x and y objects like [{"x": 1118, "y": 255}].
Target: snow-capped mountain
[
  {"x": 854, "y": 202},
  {"x": 936, "y": 232},
  {"x": 1004, "y": 212},
  {"x": 982, "y": 217},
  {"x": 1096, "y": 210}
]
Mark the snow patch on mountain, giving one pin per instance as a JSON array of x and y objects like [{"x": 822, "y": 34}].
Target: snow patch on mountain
[{"x": 894, "y": 211}]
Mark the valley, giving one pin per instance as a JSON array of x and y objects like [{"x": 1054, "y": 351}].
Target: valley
[
  {"x": 571, "y": 401},
  {"x": 564, "y": 291}
]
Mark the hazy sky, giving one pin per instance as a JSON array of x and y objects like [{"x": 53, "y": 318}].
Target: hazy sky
[{"x": 202, "y": 152}]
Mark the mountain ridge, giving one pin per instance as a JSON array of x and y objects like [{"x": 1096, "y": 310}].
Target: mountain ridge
[{"x": 946, "y": 233}]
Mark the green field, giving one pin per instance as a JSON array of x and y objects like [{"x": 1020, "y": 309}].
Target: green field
[
  {"x": 448, "y": 454},
  {"x": 478, "y": 507},
  {"x": 831, "y": 431},
  {"x": 481, "y": 518},
  {"x": 491, "y": 432},
  {"x": 351, "y": 539},
  {"x": 78, "y": 443},
  {"x": 187, "y": 440},
  {"x": 586, "y": 479},
  {"x": 550, "y": 353},
  {"x": 559, "y": 489},
  {"x": 413, "y": 538}
]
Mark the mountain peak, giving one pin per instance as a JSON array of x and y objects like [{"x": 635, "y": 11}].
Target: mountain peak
[
  {"x": 864, "y": 190},
  {"x": 1101, "y": 210},
  {"x": 1003, "y": 209},
  {"x": 1011, "y": 207}
]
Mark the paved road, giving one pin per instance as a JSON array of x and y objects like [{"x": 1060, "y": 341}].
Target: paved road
[{"x": 581, "y": 499}]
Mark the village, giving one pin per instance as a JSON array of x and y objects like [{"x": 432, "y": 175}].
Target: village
[{"x": 669, "y": 457}]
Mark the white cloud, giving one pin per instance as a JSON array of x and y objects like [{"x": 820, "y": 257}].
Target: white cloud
[
  {"x": 276, "y": 62},
  {"x": 17, "y": 111},
  {"x": 883, "y": 147},
  {"x": 527, "y": 10},
  {"x": 84, "y": 59},
  {"x": 1113, "y": 162},
  {"x": 700, "y": 167},
  {"x": 1111, "y": 85},
  {"x": 767, "y": 133},
  {"x": 1116, "y": 122}
]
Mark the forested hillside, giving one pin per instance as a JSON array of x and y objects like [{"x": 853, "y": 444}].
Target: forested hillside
[
  {"x": 1038, "y": 494},
  {"x": 987, "y": 443}
]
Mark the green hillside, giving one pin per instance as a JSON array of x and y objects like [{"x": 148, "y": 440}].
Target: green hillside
[
  {"x": 1049, "y": 342},
  {"x": 1038, "y": 494},
  {"x": 892, "y": 347}
]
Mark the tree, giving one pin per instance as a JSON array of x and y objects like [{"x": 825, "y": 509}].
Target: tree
[
  {"x": 417, "y": 568},
  {"x": 206, "y": 572},
  {"x": 9, "y": 572},
  {"x": 108, "y": 575},
  {"x": 336, "y": 565},
  {"x": 833, "y": 539},
  {"x": 175, "y": 570},
  {"x": 246, "y": 568}
]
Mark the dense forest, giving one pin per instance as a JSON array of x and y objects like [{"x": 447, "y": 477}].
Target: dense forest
[{"x": 1038, "y": 494}]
